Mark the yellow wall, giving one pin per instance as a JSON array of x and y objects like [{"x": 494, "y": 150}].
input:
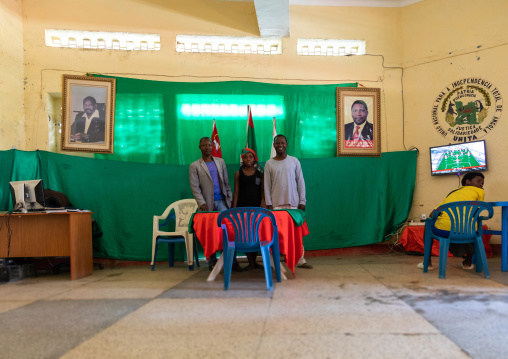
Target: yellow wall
[
  {"x": 11, "y": 75},
  {"x": 435, "y": 41},
  {"x": 45, "y": 65},
  {"x": 444, "y": 41}
]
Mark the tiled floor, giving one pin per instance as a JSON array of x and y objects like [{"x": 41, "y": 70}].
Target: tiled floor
[{"x": 348, "y": 306}]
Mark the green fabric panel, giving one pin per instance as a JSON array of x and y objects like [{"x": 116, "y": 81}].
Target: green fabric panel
[
  {"x": 350, "y": 201},
  {"x": 357, "y": 201},
  {"x": 123, "y": 196},
  {"x": 6, "y": 161},
  {"x": 162, "y": 122},
  {"x": 26, "y": 166}
]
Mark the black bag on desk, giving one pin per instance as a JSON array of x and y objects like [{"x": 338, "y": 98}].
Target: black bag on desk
[{"x": 56, "y": 199}]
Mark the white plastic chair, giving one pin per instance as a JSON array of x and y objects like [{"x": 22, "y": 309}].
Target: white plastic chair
[{"x": 183, "y": 210}]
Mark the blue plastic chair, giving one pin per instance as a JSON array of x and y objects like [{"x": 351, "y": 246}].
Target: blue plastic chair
[
  {"x": 466, "y": 227},
  {"x": 181, "y": 211},
  {"x": 246, "y": 221}
]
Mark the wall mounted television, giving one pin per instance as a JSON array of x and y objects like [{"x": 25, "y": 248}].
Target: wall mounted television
[{"x": 458, "y": 158}]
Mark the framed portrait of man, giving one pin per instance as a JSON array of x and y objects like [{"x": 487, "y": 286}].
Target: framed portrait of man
[
  {"x": 88, "y": 120},
  {"x": 358, "y": 121}
]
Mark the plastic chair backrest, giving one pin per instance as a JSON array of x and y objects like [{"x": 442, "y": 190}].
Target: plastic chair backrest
[
  {"x": 246, "y": 222},
  {"x": 183, "y": 209},
  {"x": 464, "y": 216}
]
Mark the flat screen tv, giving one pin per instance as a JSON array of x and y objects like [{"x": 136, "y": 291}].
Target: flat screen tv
[
  {"x": 458, "y": 158},
  {"x": 27, "y": 195}
]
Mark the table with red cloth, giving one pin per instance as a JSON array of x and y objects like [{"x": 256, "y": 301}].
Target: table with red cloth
[
  {"x": 204, "y": 225},
  {"x": 412, "y": 241}
]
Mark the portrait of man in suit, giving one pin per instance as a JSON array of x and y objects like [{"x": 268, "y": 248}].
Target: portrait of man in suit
[
  {"x": 89, "y": 125},
  {"x": 359, "y": 132}
]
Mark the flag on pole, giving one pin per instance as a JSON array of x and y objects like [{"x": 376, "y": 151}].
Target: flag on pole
[
  {"x": 272, "y": 153},
  {"x": 251, "y": 137},
  {"x": 216, "y": 151},
  {"x": 251, "y": 140}
]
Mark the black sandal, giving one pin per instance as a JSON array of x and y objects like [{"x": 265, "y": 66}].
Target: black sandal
[
  {"x": 253, "y": 266},
  {"x": 305, "y": 266}
]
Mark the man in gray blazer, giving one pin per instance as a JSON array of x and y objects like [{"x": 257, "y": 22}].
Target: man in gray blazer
[
  {"x": 210, "y": 185},
  {"x": 209, "y": 180}
]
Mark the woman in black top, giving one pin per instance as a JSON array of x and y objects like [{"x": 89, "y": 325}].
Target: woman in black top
[{"x": 249, "y": 191}]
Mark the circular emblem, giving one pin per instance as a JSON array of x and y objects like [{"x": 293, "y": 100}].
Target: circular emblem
[{"x": 467, "y": 109}]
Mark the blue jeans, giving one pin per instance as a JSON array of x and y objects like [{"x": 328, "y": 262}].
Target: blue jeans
[{"x": 219, "y": 205}]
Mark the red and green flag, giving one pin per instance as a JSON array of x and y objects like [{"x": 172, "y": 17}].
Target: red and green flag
[
  {"x": 216, "y": 151},
  {"x": 251, "y": 137}
]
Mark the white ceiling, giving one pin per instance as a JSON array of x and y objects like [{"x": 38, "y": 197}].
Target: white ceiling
[{"x": 273, "y": 15}]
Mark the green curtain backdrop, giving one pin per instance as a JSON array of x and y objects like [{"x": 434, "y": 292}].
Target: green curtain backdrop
[
  {"x": 351, "y": 201},
  {"x": 162, "y": 122}
]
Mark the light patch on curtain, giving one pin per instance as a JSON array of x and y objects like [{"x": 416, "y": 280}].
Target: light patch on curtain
[
  {"x": 139, "y": 125},
  {"x": 228, "y": 107},
  {"x": 313, "y": 141}
]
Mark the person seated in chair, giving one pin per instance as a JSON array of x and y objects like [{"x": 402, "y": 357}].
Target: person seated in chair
[{"x": 471, "y": 190}]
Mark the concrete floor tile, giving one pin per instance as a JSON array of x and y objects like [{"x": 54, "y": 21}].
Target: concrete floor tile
[
  {"x": 33, "y": 289},
  {"x": 114, "y": 344},
  {"x": 465, "y": 319},
  {"x": 93, "y": 292},
  {"x": 348, "y": 306},
  {"x": 5, "y": 306},
  {"x": 177, "y": 316},
  {"x": 49, "y": 329},
  {"x": 369, "y": 314},
  {"x": 358, "y": 346}
]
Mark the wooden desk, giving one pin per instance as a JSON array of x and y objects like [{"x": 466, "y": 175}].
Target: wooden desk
[{"x": 50, "y": 235}]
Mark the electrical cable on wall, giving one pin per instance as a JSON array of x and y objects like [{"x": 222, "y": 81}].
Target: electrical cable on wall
[
  {"x": 401, "y": 93},
  {"x": 413, "y": 148}
]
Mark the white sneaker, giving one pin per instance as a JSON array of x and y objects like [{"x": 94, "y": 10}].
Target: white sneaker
[
  {"x": 420, "y": 266},
  {"x": 472, "y": 266}
]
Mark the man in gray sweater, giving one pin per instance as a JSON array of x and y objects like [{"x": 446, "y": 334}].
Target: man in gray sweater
[{"x": 284, "y": 183}]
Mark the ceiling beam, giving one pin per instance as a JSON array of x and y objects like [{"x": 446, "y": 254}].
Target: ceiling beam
[{"x": 273, "y": 17}]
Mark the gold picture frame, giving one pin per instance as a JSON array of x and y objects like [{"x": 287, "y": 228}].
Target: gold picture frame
[
  {"x": 88, "y": 114},
  {"x": 358, "y": 134}
]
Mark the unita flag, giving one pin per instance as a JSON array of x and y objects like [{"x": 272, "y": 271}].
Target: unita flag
[
  {"x": 216, "y": 151},
  {"x": 251, "y": 137}
]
